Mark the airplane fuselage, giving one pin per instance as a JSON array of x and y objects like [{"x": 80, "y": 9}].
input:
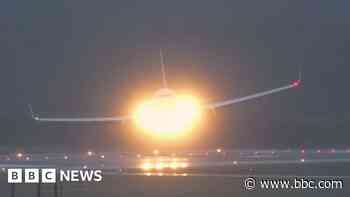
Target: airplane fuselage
[{"x": 164, "y": 93}]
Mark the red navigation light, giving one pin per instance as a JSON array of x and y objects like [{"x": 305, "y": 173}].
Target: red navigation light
[{"x": 296, "y": 83}]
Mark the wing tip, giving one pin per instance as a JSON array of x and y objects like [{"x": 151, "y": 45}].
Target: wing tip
[
  {"x": 296, "y": 83},
  {"x": 32, "y": 114}
]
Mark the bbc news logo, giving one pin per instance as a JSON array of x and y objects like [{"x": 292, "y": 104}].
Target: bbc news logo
[{"x": 51, "y": 175}]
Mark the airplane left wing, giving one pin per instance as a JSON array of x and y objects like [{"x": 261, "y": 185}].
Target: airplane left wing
[
  {"x": 80, "y": 119},
  {"x": 253, "y": 96},
  {"x": 92, "y": 119}
]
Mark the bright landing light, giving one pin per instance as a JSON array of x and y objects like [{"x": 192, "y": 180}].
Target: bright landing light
[
  {"x": 168, "y": 117},
  {"x": 167, "y": 164}
]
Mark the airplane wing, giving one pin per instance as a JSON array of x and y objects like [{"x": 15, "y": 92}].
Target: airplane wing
[
  {"x": 92, "y": 119},
  {"x": 253, "y": 96},
  {"x": 80, "y": 119}
]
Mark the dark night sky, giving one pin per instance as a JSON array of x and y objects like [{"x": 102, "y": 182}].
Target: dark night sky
[{"x": 70, "y": 58}]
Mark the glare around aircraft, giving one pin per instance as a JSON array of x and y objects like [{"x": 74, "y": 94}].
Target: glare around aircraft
[{"x": 167, "y": 111}]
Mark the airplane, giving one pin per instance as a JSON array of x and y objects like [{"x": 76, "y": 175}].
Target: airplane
[{"x": 166, "y": 93}]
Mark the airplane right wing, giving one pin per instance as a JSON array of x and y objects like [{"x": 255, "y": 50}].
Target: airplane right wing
[{"x": 253, "y": 96}]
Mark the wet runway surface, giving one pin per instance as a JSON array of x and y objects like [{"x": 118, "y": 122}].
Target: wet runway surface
[{"x": 210, "y": 159}]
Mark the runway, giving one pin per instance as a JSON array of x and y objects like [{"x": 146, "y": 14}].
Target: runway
[
  {"x": 210, "y": 172},
  {"x": 191, "y": 162}
]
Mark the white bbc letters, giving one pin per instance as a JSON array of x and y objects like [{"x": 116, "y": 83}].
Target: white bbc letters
[
  {"x": 31, "y": 175},
  {"x": 48, "y": 175},
  {"x": 14, "y": 175}
]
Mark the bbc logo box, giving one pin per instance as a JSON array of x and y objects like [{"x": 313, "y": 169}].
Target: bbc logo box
[
  {"x": 31, "y": 175},
  {"x": 14, "y": 175}
]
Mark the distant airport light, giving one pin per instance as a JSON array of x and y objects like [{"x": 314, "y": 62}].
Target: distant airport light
[
  {"x": 303, "y": 151},
  {"x": 173, "y": 165},
  {"x": 218, "y": 150},
  {"x": 90, "y": 153},
  {"x": 85, "y": 167},
  {"x": 333, "y": 150},
  {"x": 184, "y": 165},
  {"x": 235, "y": 163},
  {"x": 19, "y": 155},
  {"x": 166, "y": 165},
  {"x": 46, "y": 158},
  {"x": 302, "y": 160},
  {"x": 155, "y": 152},
  {"x": 147, "y": 166},
  {"x": 3, "y": 169},
  {"x": 318, "y": 151},
  {"x": 159, "y": 166},
  {"x": 27, "y": 158},
  {"x": 65, "y": 157}
]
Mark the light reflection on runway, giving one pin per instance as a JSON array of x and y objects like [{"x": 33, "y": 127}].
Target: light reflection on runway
[{"x": 179, "y": 163}]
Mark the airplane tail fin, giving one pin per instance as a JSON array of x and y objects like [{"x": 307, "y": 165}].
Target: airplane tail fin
[{"x": 165, "y": 84}]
